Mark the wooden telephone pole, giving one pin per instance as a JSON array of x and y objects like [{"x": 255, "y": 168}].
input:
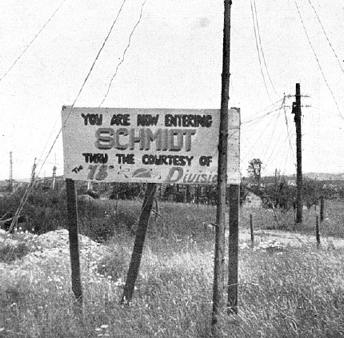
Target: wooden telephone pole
[
  {"x": 53, "y": 185},
  {"x": 297, "y": 118},
  {"x": 218, "y": 286},
  {"x": 10, "y": 181}
]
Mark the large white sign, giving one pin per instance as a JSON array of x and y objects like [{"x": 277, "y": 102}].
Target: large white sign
[{"x": 147, "y": 145}]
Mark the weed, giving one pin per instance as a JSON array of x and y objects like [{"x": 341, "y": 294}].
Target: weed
[{"x": 294, "y": 292}]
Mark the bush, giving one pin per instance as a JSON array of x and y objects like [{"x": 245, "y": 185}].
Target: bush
[
  {"x": 44, "y": 210},
  {"x": 10, "y": 252},
  {"x": 115, "y": 265}
]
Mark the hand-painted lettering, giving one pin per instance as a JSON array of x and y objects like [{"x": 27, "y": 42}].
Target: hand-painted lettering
[
  {"x": 178, "y": 174},
  {"x": 175, "y": 160},
  {"x": 124, "y": 138},
  {"x": 146, "y": 120},
  {"x": 205, "y": 161},
  {"x": 120, "y": 120},
  {"x": 92, "y": 119},
  {"x": 183, "y": 120},
  {"x": 125, "y": 158},
  {"x": 95, "y": 158},
  {"x": 97, "y": 172}
]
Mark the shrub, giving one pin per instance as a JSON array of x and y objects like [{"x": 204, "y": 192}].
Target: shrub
[
  {"x": 10, "y": 252},
  {"x": 114, "y": 265}
]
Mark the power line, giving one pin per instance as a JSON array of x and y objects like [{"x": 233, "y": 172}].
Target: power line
[
  {"x": 97, "y": 56},
  {"x": 16, "y": 60},
  {"x": 259, "y": 117},
  {"x": 287, "y": 156},
  {"x": 278, "y": 147},
  {"x": 326, "y": 36},
  {"x": 261, "y": 47},
  {"x": 251, "y": 147},
  {"x": 270, "y": 148},
  {"x": 124, "y": 53},
  {"x": 84, "y": 83},
  {"x": 270, "y": 105},
  {"x": 317, "y": 60},
  {"x": 258, "y": 51},
  {"x": 30, "y": 187},
  {"x": 287, "y": 124}
]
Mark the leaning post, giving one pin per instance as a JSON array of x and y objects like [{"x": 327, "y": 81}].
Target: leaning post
[
  {"x": 139, "y": 243},
  {"x": 74, "y": 240}
]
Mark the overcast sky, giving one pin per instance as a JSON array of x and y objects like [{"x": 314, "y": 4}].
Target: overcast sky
[{"x": 174, "y": 61}]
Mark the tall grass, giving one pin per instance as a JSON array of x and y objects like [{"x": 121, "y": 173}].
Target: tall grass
[
  {"x": 285, "y": 220},
  {"x": 296, "y": 292},
  {"x": 293, "y": 293}
]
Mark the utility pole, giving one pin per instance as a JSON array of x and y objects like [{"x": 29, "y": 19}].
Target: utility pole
[
  {"x": 33, "y": 173},
  {"x": 24, "y": 199},
  {"x": 297, "y": 118},
  {"x": 10, "y": 181},
  {"x": 218, "y": 286},
  {"x": 54, "y": 178}
]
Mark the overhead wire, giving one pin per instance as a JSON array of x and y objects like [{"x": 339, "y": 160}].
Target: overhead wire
[
  {"x": 279, "y": 147},
  {"x": 269, "y": 149},
  {"x": 263, "y": 110},
  {"x": 289, "y": 150},
  {"x": 287, "y": 124},
  {"x": 261, "y": 47},
  {"x": 34, "y": 176},
  {"x": 250, "y": 148},
  {"x": 260, "y": 117},
  {"x": 258, "y": 51},
  {"x": 247, "y": 150},
  {"x": 84, "y": 82},
  {"x": 326, "y": 36},
  {"x": 124, "y": 53},
  {"x": 272, "y": 146},
  {"x": 260, "y": 132},
  {"x": 287, "y": 154},
  {"x": 51, "y": 133},
  {"x": 318, "y": 61},
  {"x": 38, "y": 33}
]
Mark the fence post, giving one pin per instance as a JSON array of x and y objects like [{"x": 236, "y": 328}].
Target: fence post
[
  {"x": 317, "y": 233},
  {"x": 321, "y": 208},
  {"x": 251, "y": 229},
  {"x": 73, "y": 240}
]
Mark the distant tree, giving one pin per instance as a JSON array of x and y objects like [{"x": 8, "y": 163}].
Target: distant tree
[
  {"x": 280, "y": 194},
  {"x": 255, "y": 171},
  {"x": 311, "y": 190}
]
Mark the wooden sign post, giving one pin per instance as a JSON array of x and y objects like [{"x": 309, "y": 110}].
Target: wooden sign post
[
  {"x": 233, "y": 248},
  {"x": 74, "y": 240},
  {"x": 138, "y": 245}
]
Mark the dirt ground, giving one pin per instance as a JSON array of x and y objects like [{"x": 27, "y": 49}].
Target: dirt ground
[{"x": 285, "y": 238}]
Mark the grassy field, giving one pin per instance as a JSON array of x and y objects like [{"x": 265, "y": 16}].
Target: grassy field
[
  {"x": 333, "y": 224},
  {"x": 291, "y": 292}
]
